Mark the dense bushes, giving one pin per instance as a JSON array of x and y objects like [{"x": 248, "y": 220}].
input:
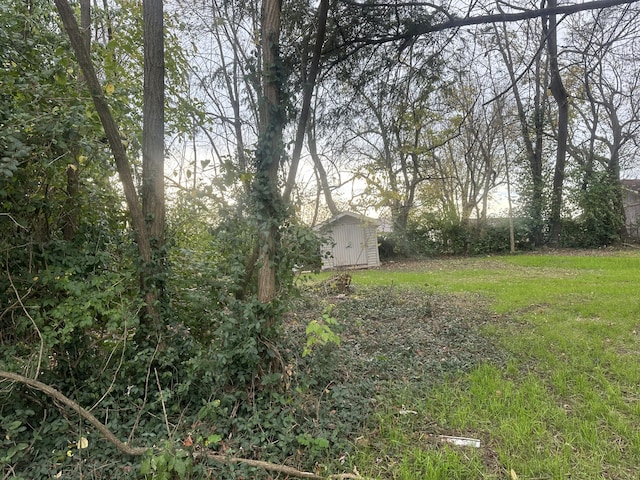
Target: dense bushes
[
  {"x": 601, "y": 221},
  {"x": 599, "y": 226},
  {"x": 212, "y": 375},
  {"x": 442, "y": 237}
]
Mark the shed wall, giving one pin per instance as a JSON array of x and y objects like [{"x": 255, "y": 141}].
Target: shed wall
[
  {"x": 632, "y": 212},
  {"x": 355, "y": 243}
]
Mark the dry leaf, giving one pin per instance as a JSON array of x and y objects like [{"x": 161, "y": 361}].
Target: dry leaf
[
  {"x": 513, "y": 475},
  {"x": 82, "y": 443}
]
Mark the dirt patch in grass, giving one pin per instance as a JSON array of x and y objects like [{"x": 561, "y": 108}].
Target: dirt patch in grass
[
  {"x": 399, "y": 334},
  {"x": 391, "y": 338},
  {"x": 410, "y": 335}
]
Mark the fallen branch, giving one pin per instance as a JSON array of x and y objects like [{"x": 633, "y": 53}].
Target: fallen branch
[
  {"x": 139, "y": 451},
  {"x": 274, "y": 467},
  {"x": 88, "y": 416}
]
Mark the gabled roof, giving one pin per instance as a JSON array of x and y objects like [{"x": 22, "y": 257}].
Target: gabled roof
[{"x": 357, "y": 216}]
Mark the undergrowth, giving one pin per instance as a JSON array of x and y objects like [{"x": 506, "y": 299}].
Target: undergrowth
[
  {"x": 546, "y": 384},
  {"x": 314, "y": 416}
]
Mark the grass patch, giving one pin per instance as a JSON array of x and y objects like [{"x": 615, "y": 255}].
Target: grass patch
[{"x": 549, "y": 379}]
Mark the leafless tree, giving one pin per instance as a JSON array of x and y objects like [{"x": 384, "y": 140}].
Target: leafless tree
[
  {"x": 528, "y": 74},
  {"x": 607, "y": 81}
]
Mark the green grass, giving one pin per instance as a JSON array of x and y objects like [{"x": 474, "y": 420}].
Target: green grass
[{"x": 567, "y": 402}]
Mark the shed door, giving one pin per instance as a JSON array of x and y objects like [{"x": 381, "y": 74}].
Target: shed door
[{"x": 350, "y": 246}]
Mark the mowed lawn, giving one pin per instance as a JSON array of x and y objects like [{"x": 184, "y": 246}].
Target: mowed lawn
[{"x": 565, "y": 404}]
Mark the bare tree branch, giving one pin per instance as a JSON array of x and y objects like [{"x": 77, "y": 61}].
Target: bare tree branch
[
  {"x": 88, "y": 416},
  {"x": 417, "y": 29},
  {"x": 516, "y": 17}
]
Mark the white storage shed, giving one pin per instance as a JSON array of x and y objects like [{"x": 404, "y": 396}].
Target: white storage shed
[{"x": 353, "y": 241}]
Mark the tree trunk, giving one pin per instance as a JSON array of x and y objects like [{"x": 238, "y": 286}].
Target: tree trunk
[
  {"x": 153, "y": 206},
  {"x": 111, "y": 130},
  {"x": 153, "y": 118},
  {"x": 400, "y": 218},
  {"x": 85, "y": 22},
  {"x": 613, "y": 171},
  {"x": 562, "y": 100},
  {"x": 269, "y": 208},
  {"x": 320, "y": 171},
  {"x": 72, "y": 212},
  {"x": 309, "y": 86}
]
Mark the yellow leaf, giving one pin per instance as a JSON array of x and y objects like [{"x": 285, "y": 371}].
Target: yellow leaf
[
  {"x": 513, "y": 475},
  {"x": 83, "y": 443},
  {"x": 109, "y": 89},
  {"x": 69, "y": 453}
]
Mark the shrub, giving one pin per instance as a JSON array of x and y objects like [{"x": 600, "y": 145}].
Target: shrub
[{"x": 440, "y": 237}]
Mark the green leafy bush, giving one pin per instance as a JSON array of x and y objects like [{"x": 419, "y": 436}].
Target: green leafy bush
[
  {"x": 320, "y": 332},
  {"x": 433, "y": 236},
  {"x": 601, "y": 219}
]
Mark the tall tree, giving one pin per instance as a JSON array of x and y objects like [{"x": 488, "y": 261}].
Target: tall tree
[
  {"x": 531, "y": 116},
  {"x": 73, "y": 174},
  {"x": 607, "y": 125},
  {"x": 269, "y": 152},
  {"x": 472, "y": 158},
  {"x": 109, "y": 124},
  {"x": 309, "y": 77},
  {"x": 116, "y": 144},
  {"x": 323, "y": 182},
  {"x": 225, "y": 77},
  {"x": 557, "y": 88},
  {"x": 392, "y": 121},
  {"x": 153, "y": 206},
  {"x": 153, "y": 121}
]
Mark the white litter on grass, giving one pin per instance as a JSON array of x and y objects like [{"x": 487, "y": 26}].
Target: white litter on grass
[
  {"x": 404, "y": 411},
  {"x": 407, "y": 412},
  {"x": 460, "y": 441}
]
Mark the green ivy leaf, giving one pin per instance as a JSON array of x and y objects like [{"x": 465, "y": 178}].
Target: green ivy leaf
[
  {"x": 180, "y": 467},
  {"x": 145, "y": 466}
]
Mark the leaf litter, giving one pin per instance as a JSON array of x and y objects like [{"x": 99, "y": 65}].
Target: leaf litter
[
  {"x": 392, "y": 338},
  {"x": 394, "y": 335}
]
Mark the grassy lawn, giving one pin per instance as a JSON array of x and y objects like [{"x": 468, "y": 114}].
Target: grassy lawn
[{"x": 559, "y": 399}]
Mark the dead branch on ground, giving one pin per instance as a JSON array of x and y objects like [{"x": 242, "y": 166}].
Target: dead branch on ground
[{"x": 139, "y": 451}]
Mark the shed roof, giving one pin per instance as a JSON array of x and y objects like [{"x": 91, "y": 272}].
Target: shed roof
[{"x": 340, "y": 216}]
